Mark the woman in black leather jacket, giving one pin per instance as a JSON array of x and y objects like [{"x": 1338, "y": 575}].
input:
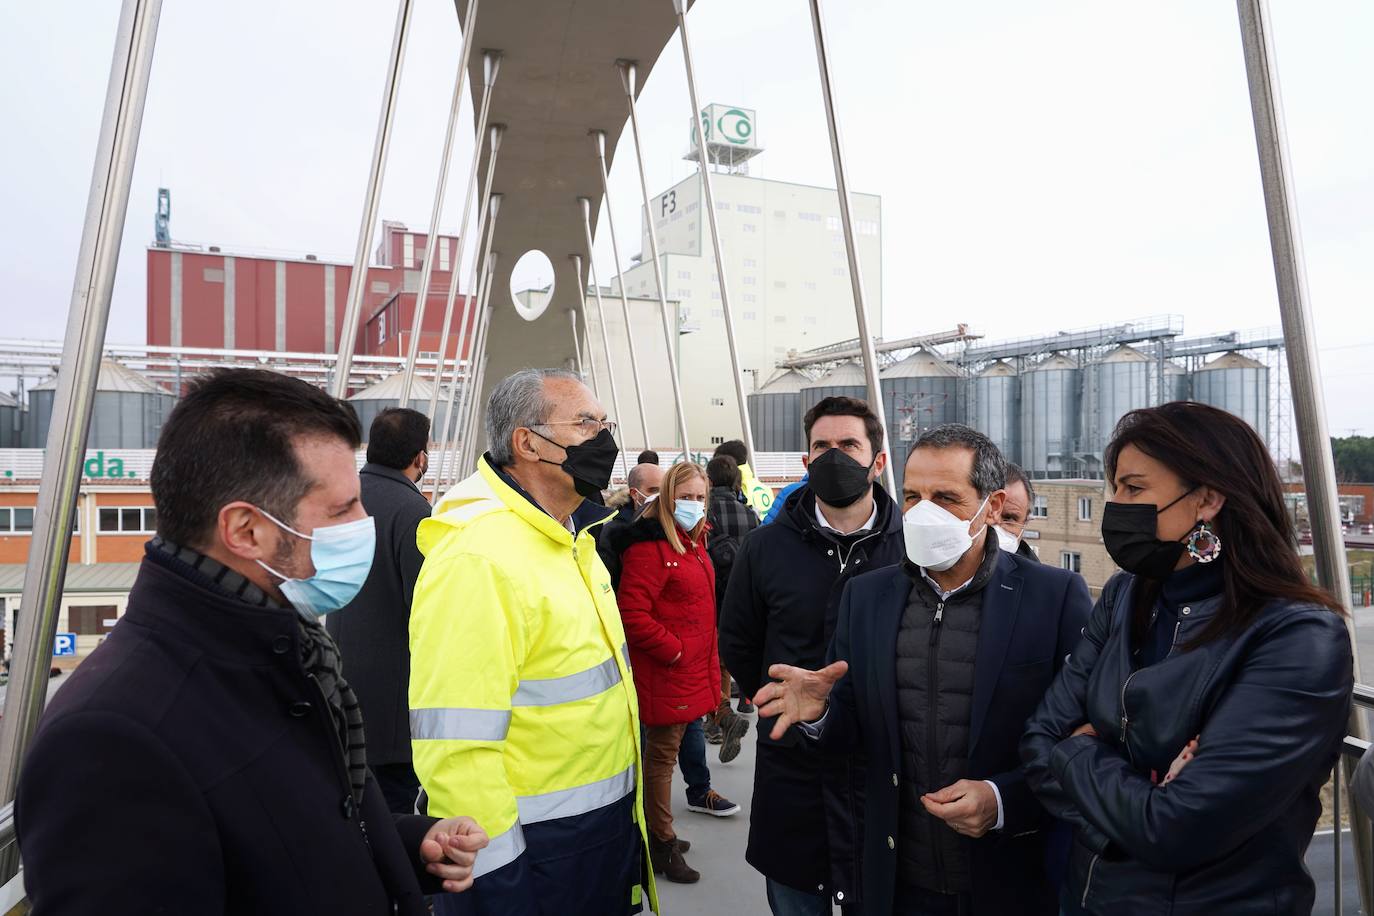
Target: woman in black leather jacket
[{"x": 1189, "y": 735}]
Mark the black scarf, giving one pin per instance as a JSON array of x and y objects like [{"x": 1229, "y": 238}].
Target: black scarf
[{"x": 319, "y": 654}]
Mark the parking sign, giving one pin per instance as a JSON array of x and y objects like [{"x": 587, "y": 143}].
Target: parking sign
[{"x": 64, "y": 644}]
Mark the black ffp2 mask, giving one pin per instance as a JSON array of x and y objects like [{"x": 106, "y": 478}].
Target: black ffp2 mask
[
  {"x": 838, "y": 480},
  {"x": 588, "y": 463},
  {"x": 1130, "y": 532}
]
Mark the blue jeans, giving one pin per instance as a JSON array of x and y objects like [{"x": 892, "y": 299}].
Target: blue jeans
[
  {"x": 788, "y": 901},
  {"x": 691, "y": 757}
]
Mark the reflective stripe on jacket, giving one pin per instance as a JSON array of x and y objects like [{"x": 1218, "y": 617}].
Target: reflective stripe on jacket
[{"x": 522, "y": 705}]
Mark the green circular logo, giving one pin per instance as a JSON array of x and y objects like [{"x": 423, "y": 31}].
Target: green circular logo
[{"x": 735, "y": 127}]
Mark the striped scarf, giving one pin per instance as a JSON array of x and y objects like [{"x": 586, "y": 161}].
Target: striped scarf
[{"x": 319, "y": 654}]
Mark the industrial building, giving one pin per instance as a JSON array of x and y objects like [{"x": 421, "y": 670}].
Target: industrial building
[{"x": 206, "y": 297}]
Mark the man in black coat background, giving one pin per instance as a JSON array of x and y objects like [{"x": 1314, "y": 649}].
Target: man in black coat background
[
  {"x": 373, "y": 632},
  {"x": 947, "y": 655},
  {"x": 781, "y": 607},
  {"x": 208, "y": 757}
]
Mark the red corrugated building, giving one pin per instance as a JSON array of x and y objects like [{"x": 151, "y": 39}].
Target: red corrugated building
[{"x": 224, "y": 300}]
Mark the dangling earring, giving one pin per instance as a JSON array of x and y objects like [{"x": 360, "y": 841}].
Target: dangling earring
[{"x": 1204, "y": 544}]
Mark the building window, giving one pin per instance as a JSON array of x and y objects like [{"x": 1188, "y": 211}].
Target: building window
[
  {"x": 838, "y": 254},
  {"x": 838, "y": 271},
  {"x": 748, "y": 208},
  {"x": 443, "y": 254},
  {"x": 684, "y": 293},
  {"x": 751, "y": 316},
  {"x": 717, "y": 440},
  {"x": 810, "y": 319},
  {"x": 1085, "y": 508},
  {"x": 16, "y": 520},
  {"x": 810, "y": 217},
  {"x": 691, "y": 227},
  {"x": 832, "y": 223},
  {"x": 91, "y": 619},
  {"x": 750, "y": 297},
  {"x": 810, "y": 284},
  {"x": 684, "y": 275},
  {"x": 780, "y": 319},
  {"x": 748, "y": 262},
  {"x": 722, "y": 205},
  {"x": 1071, "y": 561},
  {"x": 128, "y": 520},
  {"x": 866, "y": 226},
  {"x": 408, "y": 249},
  {"x": 1041, "y": 508},
  {"x": 750, "y": 281},
  {"x": 715, "y": 294},
  {"x": 692, "y": 207},
  {"x": 717, "y": 402},
  {"x": 749, "y": 227}
]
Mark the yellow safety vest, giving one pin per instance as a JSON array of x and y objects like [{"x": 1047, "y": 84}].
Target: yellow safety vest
[{"x": 522, "y": 705}]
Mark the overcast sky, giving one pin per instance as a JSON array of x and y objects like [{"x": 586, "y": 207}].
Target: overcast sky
[{"x": 1042, "y": 166}]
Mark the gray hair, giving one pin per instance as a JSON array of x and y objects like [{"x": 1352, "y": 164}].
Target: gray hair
[
  {"x": 518, "y": 400},
  {"x": 1016, "y": 475},
  {"x": 989, "y": 467}
]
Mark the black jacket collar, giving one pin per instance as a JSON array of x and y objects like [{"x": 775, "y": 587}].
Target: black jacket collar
[
  {"x": 165, "y": 601},
  {"x": 799, "y": 513}
]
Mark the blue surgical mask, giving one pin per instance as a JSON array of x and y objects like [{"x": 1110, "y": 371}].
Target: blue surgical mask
[
  {"x": 342, "y": 555},
  {"x": 688, "y": 512}
]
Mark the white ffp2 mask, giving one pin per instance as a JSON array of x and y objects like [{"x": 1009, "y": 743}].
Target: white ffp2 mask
[
  {"x": 1006, "y": 540},
  {"x": 935, "y": 537}
]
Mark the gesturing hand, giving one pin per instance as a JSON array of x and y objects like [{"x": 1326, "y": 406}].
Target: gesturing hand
[
  {"x": 969, "y": 806},
  {"x": 796, "y": 694},
  {"x": 449, "y": 850}
]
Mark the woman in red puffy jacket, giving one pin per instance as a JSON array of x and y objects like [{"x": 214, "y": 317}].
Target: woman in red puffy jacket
[{"x": 667, "y": 599}]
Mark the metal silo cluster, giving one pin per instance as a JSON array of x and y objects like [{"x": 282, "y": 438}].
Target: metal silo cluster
[
  {"x": 128, "y": 410},
  {"x": 845, "y": 380}
]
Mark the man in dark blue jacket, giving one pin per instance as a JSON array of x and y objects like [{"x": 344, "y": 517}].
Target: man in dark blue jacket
[
  {"x": 946, "y": 656},
  {"x": 208, "y": 756},
  {"x": 780, "y": 607}
]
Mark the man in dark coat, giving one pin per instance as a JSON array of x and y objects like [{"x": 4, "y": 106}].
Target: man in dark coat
[
  {"x": 373, "y": 632},
  {"x": 208, "y": 757},
  {"x": 641, "y": 485},
  {"x": 781, "y": 607},
  {"x": 947, "y": 656}
]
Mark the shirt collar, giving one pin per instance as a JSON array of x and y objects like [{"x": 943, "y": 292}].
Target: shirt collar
[
  {"x": 866, "y": 526},
  {"x": 945, "y": 595}
]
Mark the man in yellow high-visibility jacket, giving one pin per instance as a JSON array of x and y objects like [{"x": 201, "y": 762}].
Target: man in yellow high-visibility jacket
[{"x": 522, "y": 706}]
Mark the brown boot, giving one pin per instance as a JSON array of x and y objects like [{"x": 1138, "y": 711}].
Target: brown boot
[{"x": 668, "y": 861}]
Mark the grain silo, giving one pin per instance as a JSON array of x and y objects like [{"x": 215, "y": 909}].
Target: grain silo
[
  {"x": 845, "y": 380},
  {"x": 127, "y": 412},
  {"x": 1051, "y": 398},
  {"x": 920, "y": 392},
  {"x": 1238, "y": 385},
  {"x": 11, "y": 422},
  {"x": 775, "y": 413},
  {"x": 997, "y": 408},
  {"x": 387, "y": 393},
  {"x": 1117, "y": 384}
]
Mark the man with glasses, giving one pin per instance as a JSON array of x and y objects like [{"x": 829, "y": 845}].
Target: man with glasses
[
  {"x": 522, "y": 707},
  {"x": 1015, "y": 515}
]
